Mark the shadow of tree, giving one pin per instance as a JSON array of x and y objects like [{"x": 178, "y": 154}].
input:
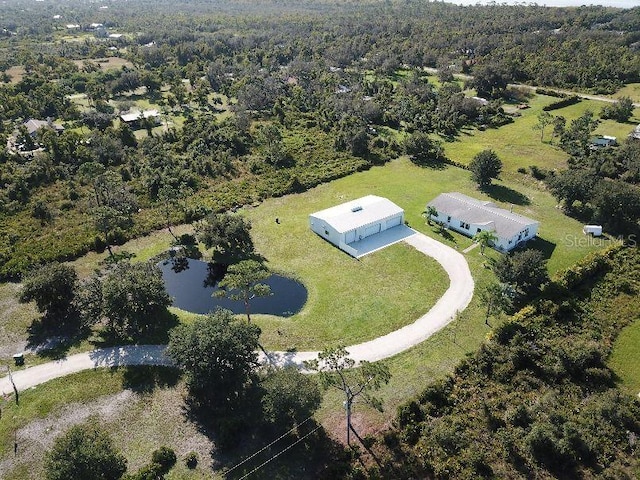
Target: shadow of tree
[
  {"x": 244, "y": 443},
  {"x": 444, "y": 233},
  {"x": 544, "y": 246},
  {"x": 505, "y": 194},
  {"x": 53, "y": 344},
  {"x": 145, "y": 379}
]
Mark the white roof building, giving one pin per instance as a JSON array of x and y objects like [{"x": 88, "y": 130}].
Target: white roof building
[
  {"x": 353, "y": 221},
  {"x": 138, "y": 115}
]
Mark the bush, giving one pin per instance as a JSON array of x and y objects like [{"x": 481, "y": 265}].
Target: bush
[
  {"x": 565, "y": 102},
  {"x": 191, "y": 460},
  {"x": 165, "y": 457},
  {"x": 537, "y": 173}
]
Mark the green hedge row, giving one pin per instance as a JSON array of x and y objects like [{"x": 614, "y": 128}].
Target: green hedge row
[{"x": 565, "y": 102}]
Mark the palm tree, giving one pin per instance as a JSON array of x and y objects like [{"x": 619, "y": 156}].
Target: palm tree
[
  {"x": 484, "y": 238},
  {"x": 429, "y": 213}
]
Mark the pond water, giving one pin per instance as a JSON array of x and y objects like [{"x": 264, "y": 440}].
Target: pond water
[{"x": 192, "y": 283}]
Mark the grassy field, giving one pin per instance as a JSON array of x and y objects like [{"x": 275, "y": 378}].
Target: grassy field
[
  {"x": 338, "y": 287},
  {"x": 631, "y": 90},
  {"x": 519, "y": 145},
  {"x": 624, "y": 358}
]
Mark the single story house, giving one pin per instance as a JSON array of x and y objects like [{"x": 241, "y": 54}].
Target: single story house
[
  {"x": 470, "y": 216},
  {"x": 353, "y": 221},
  {"x": 133, "y": 118},
  {"x": 602, "y": 141},
  {"x": 33, "y": 126}
]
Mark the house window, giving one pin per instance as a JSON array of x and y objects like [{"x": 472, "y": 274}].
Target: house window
[
  {"x": 449, "y": 218},
  {"x": 326, "y": 232},
  {"x": 461, "y": 224},
  {"x": 478, "y": 230}
]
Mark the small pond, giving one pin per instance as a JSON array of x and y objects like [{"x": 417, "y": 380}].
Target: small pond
[{"x": 192, "y": 283}]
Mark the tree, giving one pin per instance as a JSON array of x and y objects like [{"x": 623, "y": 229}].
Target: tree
[
  {"x": 422, "y": 150},
  {"x": 525, "y": 271},
  {"x": 53, "y": 287},
  {"x": 243, "y": 282},
  {"x": 113, "y": 205},
  {"x": 559, "y": 123},
  {"x": 336, "y": 370},
  {"x": 289, "y": 397},
  {"x": 490, "y": 80},
  {"x": 618, "y": 206},
  {"x": 228, "y": 235},
  {"x": 430, "y": 212},
  {"x": 217, "y": 354},
  {"x": 134, "y": 299},
  {"x": 496, "y": 298},
  {"x": 544, "y": 119},
  {"x": 485, "y": 238},
  {"x": 269, "y": 139},
  {"x": 619, "y": 111},
  {"x": 572, "y": 185},
  {"x": 575, "y": 140},
  {"x": 170, "y": 197},
  {"x": 85, "y": 451},
  {"x": 485, "y": 166}
]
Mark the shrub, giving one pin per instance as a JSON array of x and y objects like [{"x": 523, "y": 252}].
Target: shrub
[
  {"x": 191, "y": 460},
  {"x": 537, "y": 173},
  {"x": 565, "y": 102},
  {"x": 165, "y": 457}
]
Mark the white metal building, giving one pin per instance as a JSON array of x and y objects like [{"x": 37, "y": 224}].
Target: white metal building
[
  {"x": 353, "y": 221},
  {"x": 470, "y": 216}
]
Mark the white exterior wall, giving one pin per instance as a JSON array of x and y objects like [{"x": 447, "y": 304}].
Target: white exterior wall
[
  {"x": 325, "y": 230},
  {"x": 500, "y": 244},
  {"x": 342, "y": 240}
]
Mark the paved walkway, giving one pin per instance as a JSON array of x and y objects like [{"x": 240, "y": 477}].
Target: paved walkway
[{"x": 454, "y": 300}]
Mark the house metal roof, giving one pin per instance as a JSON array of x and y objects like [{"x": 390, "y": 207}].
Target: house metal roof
[
  {"x": 358, "y": 213},
  {"x": 137, "y": 115},
  {"x": 35, "y": 125},
  {"x": 462, "y": 207}
]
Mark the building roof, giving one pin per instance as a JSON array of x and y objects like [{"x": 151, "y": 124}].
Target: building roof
[
  {"x": 35, "y": 125},
  {"x": 137, "y": 115},
  {"x": 462, "y": 207},
  {"x": 358, "y": 213}
]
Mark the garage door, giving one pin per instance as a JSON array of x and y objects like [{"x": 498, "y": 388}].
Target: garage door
[
  {"x": 350, "y": 237},
  {"x": 372, "y": 230},
  {"x": 393, "y": 222}
]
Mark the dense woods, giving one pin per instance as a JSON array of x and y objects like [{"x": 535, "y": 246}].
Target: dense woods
[
  {"x": 327, "y": 92},
  {"x": 151, "y": 114},
  {"x": 537, "y": 400}
]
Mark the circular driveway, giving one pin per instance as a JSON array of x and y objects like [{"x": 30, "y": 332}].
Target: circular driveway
[{"x": 454, "y": 300}]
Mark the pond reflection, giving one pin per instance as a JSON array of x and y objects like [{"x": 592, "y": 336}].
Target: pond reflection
[{"x": 193, "y": 283}]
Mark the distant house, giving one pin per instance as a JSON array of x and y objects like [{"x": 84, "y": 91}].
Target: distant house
[
  {"x": 635, "y": 133},
  {"x": 133, "y": 119},
  {"x": 33, "y": 126},
  {"x": 353, "y": 221},
  {"x": 470, "y": 216},
  {"x": 602, "y": 141},
  {"x": 482, "y": 101}
]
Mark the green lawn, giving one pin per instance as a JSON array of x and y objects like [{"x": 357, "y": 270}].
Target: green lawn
[
  {"x": 624, "y": 359},
  {"x": 519, "y": 144}
]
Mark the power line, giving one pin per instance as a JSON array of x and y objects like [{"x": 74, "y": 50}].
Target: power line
[
  {"x": 267, "y": 446},
  {"x": 280, "y": 453}
]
